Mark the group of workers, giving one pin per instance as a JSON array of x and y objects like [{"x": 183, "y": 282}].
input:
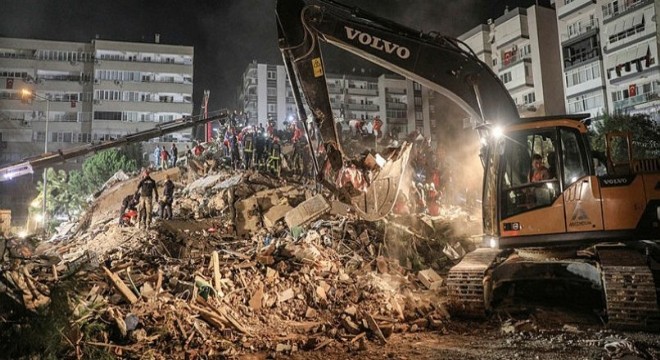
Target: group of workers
[
  {"x": 261, "y": 147},
  {"x": 164, "y": 158},
  {"x": 139, "y": 206}
]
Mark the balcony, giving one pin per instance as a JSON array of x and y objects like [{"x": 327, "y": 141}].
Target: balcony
[
  {"x": 363, "y": 107},
  {"x": 333, "y": 89},
  {"x": 514, "y": 60},
  {"x": 396, "y": 105},
  {"x": 611, "y": 12},
  {"x": 582, "y": 31},
  {"x": 581, "y": 58},
  {"x": 360, "y": 91},
  {"x": 397, "y": 121},
  {"x": 399, "y": 91},
  {"x": 572, "y": 6},
  {"x": 635, "y": 100}
]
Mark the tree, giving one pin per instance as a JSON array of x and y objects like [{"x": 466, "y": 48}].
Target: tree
[
  {"x": 645, "y": 133},
  {"x": 67, "y": 193},
  {"x": 134, "y": 151},
  {"x": 100, "y": 167}
]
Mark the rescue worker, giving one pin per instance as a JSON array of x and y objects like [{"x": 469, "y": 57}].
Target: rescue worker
[
  {"x": 274, "y": 160},
  {"x": 235, "y": 153},
  {"x": 128, "y": 205},
  {"x": 147, "y": 189},
  {"x": 260, "y": 147},
  {"x": 378, "y": 125},
  {"x": 165, "y": 158},
  {"x": 166, "y": 204},
  {"x": 157, "y": 156},
  {"x": 174, "y": 152},
  {"x": 248, "y": 149}
]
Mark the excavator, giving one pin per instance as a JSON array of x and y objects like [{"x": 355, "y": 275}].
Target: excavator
[{"x": 600, "y": 231}]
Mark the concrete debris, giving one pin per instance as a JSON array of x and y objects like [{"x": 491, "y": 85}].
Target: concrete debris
[
  {"x": 430, "y": 279},
  {"x": 307, "y": 211},
  {"x": 246, "y": 259}
]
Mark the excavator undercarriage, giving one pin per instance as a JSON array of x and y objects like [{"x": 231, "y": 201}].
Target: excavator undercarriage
[{"x": 627, "y": 279}]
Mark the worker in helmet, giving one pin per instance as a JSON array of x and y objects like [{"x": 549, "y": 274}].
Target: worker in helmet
[{"x": 147, "y": 189}]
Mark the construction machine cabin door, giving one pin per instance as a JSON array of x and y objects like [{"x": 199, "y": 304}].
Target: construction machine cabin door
[
  {"x": 582, "y": 195},
  {"x": 530, "y": 198}
]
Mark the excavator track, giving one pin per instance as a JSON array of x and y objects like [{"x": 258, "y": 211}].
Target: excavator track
[
  {"x": 468, "y": 284},
  {"x": 630, "y": 291}
]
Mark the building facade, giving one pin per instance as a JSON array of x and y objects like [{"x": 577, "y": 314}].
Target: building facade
[
  {"x": 402, "y": 104},
  {"x": 610, "y": 56},
  {"x": 86, "y": 92},
  {"x": 585, "y": 83},
  {"x": 630, "y": 48},
  {"x": 519, "y": 50}
]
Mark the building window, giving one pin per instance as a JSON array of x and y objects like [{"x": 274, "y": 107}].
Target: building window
[
  {"x": 584, "y": 103},
  {"x": 506, "y": 77},
  {"x": 636, "y": 27},
  {"x": 271, "y": 75},
  {"x": 611, "y": 9},
  {"x": 582, "y": 74}
]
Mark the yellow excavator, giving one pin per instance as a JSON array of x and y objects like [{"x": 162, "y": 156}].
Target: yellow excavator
[{"x": 564, "y": 221}]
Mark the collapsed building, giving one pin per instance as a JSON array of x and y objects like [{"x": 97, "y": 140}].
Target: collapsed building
[{"x": 250, "y": 263}]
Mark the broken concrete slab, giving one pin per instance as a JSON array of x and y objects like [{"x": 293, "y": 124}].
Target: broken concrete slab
[
  {"x": 227, "y": 183},
  {"x": 307, "y": 211},
  {"x": 276, "y": 213},
  {"x": 248, "y": 216},
  {"x": 430, "y": 279},
  {"x": 204, "y": 183}
]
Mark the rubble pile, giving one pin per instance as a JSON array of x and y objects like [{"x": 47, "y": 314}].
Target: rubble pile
[{"x": 250, "y": 264}]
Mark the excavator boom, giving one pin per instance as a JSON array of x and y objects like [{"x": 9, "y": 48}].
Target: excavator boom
[{"x": 437, "y": 62}]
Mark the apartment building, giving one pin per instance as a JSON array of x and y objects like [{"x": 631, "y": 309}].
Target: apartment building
[
  {"x": 585, "y": 83},
  {"x": 85, "y": 92},
  {"x": 630, "y": 47},
  {"x": 402, "y": 104},
  {"x": 610, "y": 52},
  {"x": 526, "y": 59}
]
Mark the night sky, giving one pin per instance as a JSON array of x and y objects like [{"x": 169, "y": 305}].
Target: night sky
[{"x": 227, "y": 35}]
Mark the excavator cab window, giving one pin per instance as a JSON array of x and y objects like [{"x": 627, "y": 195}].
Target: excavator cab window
[
  {"x": 524, "y": 185},
  {"x": 575, "y": 165}
]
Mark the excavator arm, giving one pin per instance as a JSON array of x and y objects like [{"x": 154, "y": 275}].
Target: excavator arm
[{"x": 440, "y": 63}]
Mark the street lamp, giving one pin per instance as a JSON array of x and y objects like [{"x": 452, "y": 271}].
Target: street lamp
[{"x": 28, "y": 93}]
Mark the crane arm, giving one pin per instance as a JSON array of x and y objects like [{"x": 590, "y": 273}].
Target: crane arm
[{"x": 28, "y": 165}]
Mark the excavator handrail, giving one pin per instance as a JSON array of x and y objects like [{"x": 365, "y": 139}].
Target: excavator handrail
[{"x": 29, "y": 164}]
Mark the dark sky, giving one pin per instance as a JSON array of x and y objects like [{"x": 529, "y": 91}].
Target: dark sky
[{"x": 226, "y": 34}]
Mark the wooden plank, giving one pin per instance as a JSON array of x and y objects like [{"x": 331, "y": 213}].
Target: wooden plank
[
  {"x": 120, "y": 286},
  {"x": 215, "y": 259}
]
